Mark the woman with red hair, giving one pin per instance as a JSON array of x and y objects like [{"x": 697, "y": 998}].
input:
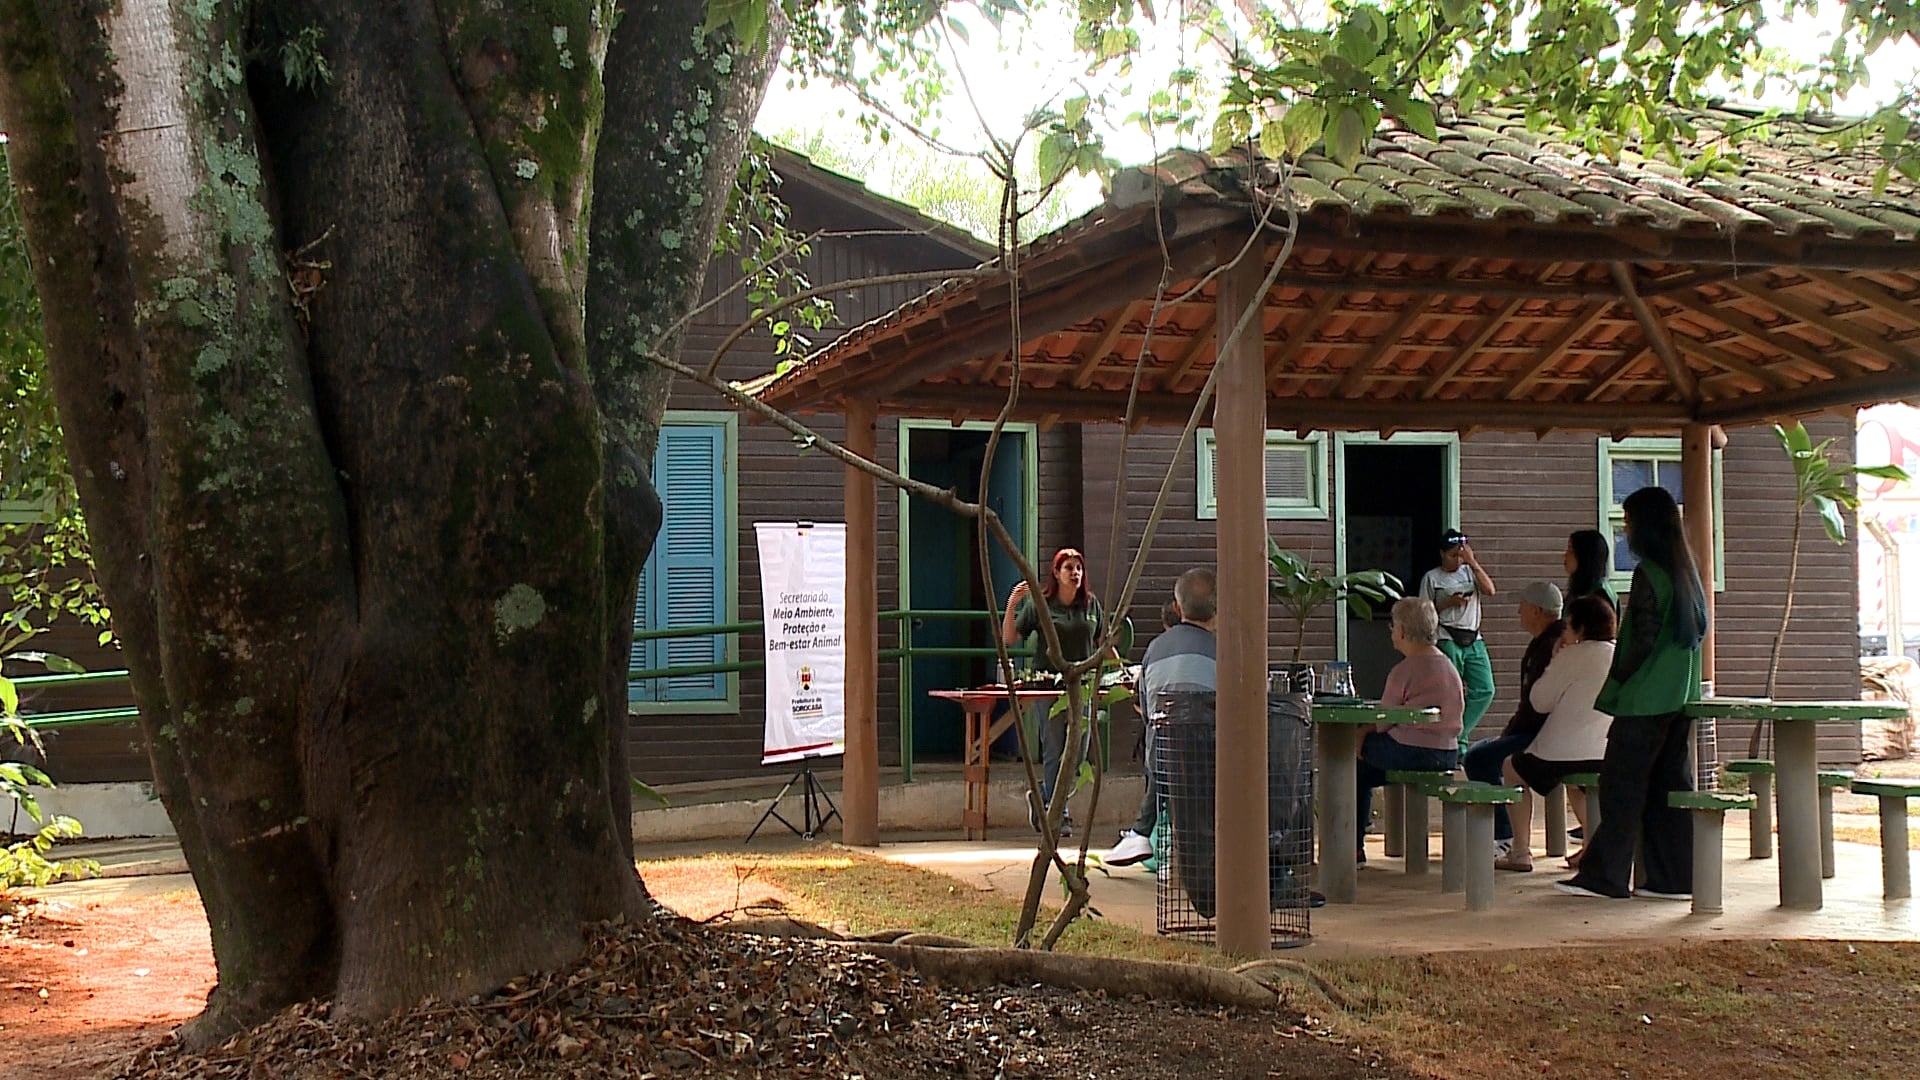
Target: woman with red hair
[{"x": 1076, "y": 618}]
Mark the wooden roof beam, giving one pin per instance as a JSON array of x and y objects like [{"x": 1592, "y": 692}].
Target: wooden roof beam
[
  {"x": 1768, "y": 338},
  {"x": 1289, "y": 351},
  {"x": 1850, "y": 393},
  {"x": 1083, "y": 375},
  {"x": 1869, "y": 293},
  {"x": 1555, "y": 347},
  {"x": 1201, "y": 343},
  {"x": 1615, "y": 372},
  {"x": 1044, "y": 315},
  {"x": 1389, "y": 340},
  {"x": 1481, "y": 339},
  {"x": 1858, "y": 336},
  {"x": 1656, "y": 332},
  {"x": 1320, "y": 414},
  {"x": 1726, "y": 361}
]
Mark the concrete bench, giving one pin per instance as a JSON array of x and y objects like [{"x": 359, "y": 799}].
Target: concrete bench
[
  {"x": 1829, "y": 780},
  {"x": 1411, "y": 787},
  {"x": 1759, "y": 774},
  {"x": 1468, "y": 857},
  {"x": 1893, "y": 796},
  {"x": 1588, "y": 782},
  {"x": 1709, "y": 812}
]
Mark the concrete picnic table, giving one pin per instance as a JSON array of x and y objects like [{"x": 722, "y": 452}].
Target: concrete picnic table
[
  {"x": 976, "y": 745},
  {"x": 1796, "y": 781},
  {"x": 1336, "y": 746}
]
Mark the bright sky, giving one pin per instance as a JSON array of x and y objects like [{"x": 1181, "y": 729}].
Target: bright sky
[{"x": 1036, "y": 66}]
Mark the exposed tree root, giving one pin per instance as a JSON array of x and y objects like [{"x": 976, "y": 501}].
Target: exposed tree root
[
  {"x": 979, "y": 967},
  {"x": 1268, "y": 974},
  {"x": 961, "y": 963}
]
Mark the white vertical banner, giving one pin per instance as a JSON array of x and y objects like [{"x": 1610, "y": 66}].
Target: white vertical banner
[{"x": 803, "y": 595}]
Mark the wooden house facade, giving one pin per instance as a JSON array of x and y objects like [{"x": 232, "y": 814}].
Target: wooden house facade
[{"x": 1348, "y": 500}]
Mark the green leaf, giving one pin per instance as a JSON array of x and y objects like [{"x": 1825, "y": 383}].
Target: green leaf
[
  {"x": 1074, "y": 110},
  {"x": 1830, "y": 517},
  {"x": 645, "y": 791},
  {"x": 1418, "y": 116},
  {"x": 9, "y": 697},
  {"x": 1302, "y": 126},
  {"x": 1347, "y": 135}
]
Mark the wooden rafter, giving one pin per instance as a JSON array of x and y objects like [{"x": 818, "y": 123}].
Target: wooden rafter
[
  {"x": 1870, "y": 294},
  {"x": 1198, "y": 344},
  {"x": 1389, "y": 339},
  {"x": 1083, "y": 375},
  {"x": 1555, "y": 347},
  {"x": 1613, "y": 372},
  {"x": 1309, "y": 325},
  {"x": 1851, "y": 333},
  {"x": 1489, "y": 329},
  {"x": 1768, "y": 338},
  {"x": 1287, "y": 413},
  {"x": 1656, "y": 333},
  {"x": 1726, "y": 361}
]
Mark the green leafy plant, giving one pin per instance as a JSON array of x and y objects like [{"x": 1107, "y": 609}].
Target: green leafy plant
[
  {"x": 1822, "y": 486},
  {"x": 1300, "y": 590},
  {"x": 25, "y": 862}
]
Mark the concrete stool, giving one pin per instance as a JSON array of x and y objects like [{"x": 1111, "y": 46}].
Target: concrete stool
[
  {"x": 1471, "y": 805},
  {"x": 1893, "y": 796},
  {"x": 1829, "y": 779},
  {"x": 1412, "y": 787},
  {"x": 1393, "y": 825},
  {"x": 1556, "y": 819},
  {"x": 1759, "y": 774},
  {"x": 1709, "y": 810},
  {"x": 1590, "y": 783}
]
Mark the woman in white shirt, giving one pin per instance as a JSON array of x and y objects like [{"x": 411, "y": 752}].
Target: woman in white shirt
[{"x": 1574, "y": 737}]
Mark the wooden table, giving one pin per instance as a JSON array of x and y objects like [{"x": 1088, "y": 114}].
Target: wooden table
[
  {"x": 1336, "y": 746},
  {"x": 981, "y": 729},
  {"x": 1797, "y": 779}
]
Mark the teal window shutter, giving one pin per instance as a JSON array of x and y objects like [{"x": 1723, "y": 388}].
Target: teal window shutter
[{"x": 684, "y": 581}]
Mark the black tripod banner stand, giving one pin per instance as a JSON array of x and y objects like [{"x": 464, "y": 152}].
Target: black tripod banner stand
[{"x": 812, "y": 794}]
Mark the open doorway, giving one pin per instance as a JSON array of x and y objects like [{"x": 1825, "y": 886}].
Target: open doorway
[
  {"x": 1396, "y": 497},
  {"x": 940, "y": 562}
]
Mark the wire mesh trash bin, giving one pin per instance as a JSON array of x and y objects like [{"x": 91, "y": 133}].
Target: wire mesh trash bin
[{"x": 1184, "y": 766}]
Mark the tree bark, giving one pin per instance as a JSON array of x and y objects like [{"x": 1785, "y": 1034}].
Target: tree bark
[{"x": 372, "y": 542}]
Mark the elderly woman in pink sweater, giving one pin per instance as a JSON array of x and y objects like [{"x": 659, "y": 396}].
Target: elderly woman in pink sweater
[{"x": 1425, "y": 679}]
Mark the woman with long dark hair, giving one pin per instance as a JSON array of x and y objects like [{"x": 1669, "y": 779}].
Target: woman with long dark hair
[
  {"x": 1076, "y": 617},
  {"x": 1654, "y": 675},
  {"x": 1589, "y": 561}
]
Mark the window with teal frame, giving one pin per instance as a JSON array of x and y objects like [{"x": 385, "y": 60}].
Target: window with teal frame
[
  {"x": 1627, "y": 466},
  {"x": 689, "y": 578}
]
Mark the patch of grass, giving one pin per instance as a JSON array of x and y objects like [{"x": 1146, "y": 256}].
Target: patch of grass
[
  {"x": 1800, "y": 1010},
  {"x": 866, "y": 894}
]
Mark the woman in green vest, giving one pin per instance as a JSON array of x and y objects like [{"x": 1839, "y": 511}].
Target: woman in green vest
[{"x": 1655, "y": 674}]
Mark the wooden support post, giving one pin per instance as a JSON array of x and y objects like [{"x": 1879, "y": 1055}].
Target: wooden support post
[
  {"x": 860, "y": 775},
  {"x": 1696, "y": 487},
  {"x": 1240, "y": 800}
]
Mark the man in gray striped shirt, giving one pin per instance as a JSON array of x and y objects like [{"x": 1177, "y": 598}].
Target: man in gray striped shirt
[{"x": 1181, "y": 658}]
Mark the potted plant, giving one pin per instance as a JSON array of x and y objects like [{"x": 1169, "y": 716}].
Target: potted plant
[{"x": 1300, "y": 591}]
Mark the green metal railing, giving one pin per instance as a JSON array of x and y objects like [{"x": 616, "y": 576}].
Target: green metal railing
[{"x": 904, "y": 654}]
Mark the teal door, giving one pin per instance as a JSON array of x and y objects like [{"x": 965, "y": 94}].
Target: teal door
[{"x": 943, "y": 571}]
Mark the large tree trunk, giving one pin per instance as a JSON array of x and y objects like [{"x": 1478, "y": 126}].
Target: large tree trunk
[{"x": 372, "y": 549}]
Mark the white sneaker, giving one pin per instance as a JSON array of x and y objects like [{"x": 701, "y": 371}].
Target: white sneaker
[
  {"x": 1501, "y": 847},
  {"x": 1131, "y": 849},
  {"x": 1649, "y": 894}
]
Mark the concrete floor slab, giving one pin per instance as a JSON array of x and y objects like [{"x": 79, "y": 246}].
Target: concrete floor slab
[{"x": 1397, "y": 913}]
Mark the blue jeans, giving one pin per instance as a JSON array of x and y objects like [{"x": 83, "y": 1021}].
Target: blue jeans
[
  {"x": 1380, "y": 754},
  {"x": 1484, "y": 762}
]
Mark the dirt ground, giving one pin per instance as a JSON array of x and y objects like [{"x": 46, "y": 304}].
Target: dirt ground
[{"x": 83, "y": 987}]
